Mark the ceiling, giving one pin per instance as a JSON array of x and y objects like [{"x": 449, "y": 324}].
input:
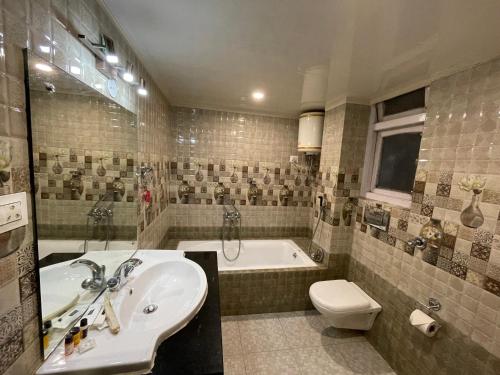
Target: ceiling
[{"x": 214, "y": 53}]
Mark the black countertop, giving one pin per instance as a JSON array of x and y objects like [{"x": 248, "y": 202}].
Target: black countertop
[{"x": 197, "y": 348}]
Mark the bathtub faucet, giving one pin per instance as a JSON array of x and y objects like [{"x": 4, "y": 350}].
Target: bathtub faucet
[{"x": 231, "y": 215}]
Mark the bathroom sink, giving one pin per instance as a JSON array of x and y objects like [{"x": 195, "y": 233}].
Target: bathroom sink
[
  {"x": 161, "y": 296},
  {"x": 165, "y": 294}
]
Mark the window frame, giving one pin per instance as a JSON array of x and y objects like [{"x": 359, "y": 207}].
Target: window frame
[{"x": 406, "y": 122}]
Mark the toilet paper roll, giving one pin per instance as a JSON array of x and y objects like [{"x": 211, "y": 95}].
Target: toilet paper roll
[{"x": 424, "y": 323}]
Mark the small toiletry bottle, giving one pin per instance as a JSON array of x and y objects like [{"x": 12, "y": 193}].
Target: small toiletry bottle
[
  {"x": 45, "y": 334},
  {"x": 47, "y": 325},
  {"x": 84, "y": 328},
  {"x": 75, "y": 331},
  {"x": 68, "y": 344}
]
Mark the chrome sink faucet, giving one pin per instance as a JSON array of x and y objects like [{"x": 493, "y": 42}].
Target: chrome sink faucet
[
  {"x": 98, "y": 279},
  {"x": 122, "y": 272}
]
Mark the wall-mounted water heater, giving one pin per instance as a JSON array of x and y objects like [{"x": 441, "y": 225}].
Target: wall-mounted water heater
[{"x": 312, "y": 108}]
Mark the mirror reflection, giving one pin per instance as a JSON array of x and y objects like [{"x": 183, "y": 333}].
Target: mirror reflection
[{"x": 84, "y": 155}]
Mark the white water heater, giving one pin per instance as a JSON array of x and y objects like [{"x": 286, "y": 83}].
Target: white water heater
[
  {"x": 311, "y": 132},
  {"x": 312, "y": 107}
]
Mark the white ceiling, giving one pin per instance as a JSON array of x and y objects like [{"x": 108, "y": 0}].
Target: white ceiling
[{"x": 213, "y": 53}]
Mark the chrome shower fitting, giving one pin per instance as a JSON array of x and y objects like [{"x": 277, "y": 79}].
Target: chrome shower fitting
[
  {"x": 418, "y": 243},
  {"x": 232, "y": 217}
]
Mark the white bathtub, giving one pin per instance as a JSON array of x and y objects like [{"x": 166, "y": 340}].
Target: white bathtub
[
  {"x": 46, "y": 247},
  {"x": 255, "y": 254}
]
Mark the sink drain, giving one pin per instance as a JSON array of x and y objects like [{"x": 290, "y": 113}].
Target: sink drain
[{"x": 149, "y": 309}]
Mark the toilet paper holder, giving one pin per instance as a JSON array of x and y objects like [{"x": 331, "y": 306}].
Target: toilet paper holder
[{"x": 432, "y": 305}]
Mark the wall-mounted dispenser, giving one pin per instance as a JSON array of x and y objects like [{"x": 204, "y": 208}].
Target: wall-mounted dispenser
[{"x": 312, "y": 108}]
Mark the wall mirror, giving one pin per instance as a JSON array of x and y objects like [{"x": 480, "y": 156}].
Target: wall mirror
[{"x": 84, "y": 155}]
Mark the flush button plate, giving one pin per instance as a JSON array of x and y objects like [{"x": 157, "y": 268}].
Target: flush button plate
[{"x": 13, "y": 211}]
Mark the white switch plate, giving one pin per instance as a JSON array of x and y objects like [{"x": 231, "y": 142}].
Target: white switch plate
[{"x": 13, "y": 211}]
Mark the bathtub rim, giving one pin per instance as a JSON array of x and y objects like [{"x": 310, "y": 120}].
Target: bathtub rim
[{"x": 316, "y": 266}]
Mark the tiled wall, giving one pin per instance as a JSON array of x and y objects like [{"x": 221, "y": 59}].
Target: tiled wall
[
  {"x": 231, "y": 151},
  {"x": 460, "y": 138},
  {"x": 86, "y": 133},
  {"x": 35, "y": 23}
]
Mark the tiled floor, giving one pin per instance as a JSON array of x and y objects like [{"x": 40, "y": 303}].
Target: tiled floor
[{"x": 295, "y": 343}]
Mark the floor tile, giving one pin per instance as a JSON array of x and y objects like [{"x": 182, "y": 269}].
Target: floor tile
[
  {"x": 270, "y": 363},
  {"x": 231, "y": 342},
  {"x": 322, "y": 360},
  {"x": 304, "y": 330},
  {"x": 362, "y": 358},
  {"x": 234, "y": 365},
  {"x": 260, "y": 333}
]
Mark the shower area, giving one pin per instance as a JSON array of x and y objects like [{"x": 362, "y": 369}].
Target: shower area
[{"x": 85, "y": 156}]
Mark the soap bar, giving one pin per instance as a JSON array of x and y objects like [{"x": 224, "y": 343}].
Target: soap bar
[{"x": 114, "y": 325}]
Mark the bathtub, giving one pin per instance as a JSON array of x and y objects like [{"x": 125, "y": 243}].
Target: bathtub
[
  {"x": 254, "y": 255},
  {"x": 46, "y": 247}
]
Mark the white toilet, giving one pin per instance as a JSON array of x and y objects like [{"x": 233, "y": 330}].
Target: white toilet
[{"x": 345, "y": 304}]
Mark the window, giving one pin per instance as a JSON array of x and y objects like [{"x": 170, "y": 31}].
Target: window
[{"x": 392, "y": 148}]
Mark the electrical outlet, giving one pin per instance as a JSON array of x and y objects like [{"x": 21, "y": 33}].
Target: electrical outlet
[
  {"x": 294, "y": 159},
  {"x": 13, "y": 211}
]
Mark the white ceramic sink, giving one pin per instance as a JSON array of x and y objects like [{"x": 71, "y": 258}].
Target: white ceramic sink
[{"x": 176, "y": 286}]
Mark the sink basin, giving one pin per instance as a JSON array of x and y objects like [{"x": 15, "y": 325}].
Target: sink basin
[
  {"x": 162, "y": 295},
  {"x": 172, "y": 288}
]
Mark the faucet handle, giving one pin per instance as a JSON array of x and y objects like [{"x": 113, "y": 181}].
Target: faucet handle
[{"x": 418, "y": 243}]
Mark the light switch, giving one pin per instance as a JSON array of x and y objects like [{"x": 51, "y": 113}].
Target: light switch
[{"x": 13, "y": 211}]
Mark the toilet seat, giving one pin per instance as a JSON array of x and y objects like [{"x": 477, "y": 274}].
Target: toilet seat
[{"x": 340, "y": 297}]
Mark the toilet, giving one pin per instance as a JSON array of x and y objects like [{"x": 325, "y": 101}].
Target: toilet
[{"x": 345, "y": 304}]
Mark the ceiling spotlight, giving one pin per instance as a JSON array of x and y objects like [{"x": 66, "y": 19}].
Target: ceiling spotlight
[
  {"x": 127, "y": 74},
  {"x": 258, "y": 95},
  {"x": 142, "y": 88},
  {"x": 43, "y": 67}
]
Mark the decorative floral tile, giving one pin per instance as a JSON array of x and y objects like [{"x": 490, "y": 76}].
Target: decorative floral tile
[
  {"x": 30, "y": 309},
  {"x": 480, "y": 251},
  {"x": 27, "y": 285},
  {"x": 443, "y": 190},
  {"x": 10, "y": 351},
  {"x": 427, "y": 210},
  {"x": 10, "y": 323},
  {"x": 25, "y": 259},
  {"x": 483, "y": 237},
  {"x": 458, "y": 270},
  {"x": 444, "y": 264},
  {"x": 492, "y": 286}
]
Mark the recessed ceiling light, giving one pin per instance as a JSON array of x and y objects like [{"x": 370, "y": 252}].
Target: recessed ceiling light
[
  {"x": 258, "y": 95},
  {"x": 43, "y": 67}
]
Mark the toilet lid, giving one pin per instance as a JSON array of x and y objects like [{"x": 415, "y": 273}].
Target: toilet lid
[{"x": 339, "y": 296}]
